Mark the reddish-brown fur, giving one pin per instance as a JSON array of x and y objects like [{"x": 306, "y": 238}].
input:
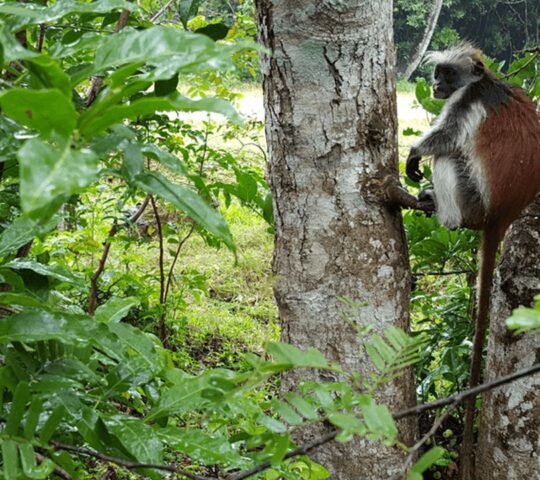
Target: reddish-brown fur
[{"x": 509, "y": 144}]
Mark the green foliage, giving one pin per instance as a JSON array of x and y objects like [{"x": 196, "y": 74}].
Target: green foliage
[{"x": 525, "y": 319}]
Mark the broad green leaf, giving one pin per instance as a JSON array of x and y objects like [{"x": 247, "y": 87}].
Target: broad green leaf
[
  {"x": 188, "y": 9},
  {"x": 50, "y": 174},
  {"x": 47, "y": 73},
  {"x": 21, "y": 299},
  {"x": 36, "y": 325},
  {"x": 166, "y": 87},
  {"x": 46, "y": 111},
  {"x": 137, "y": 342},
  {"x": 33, "y": 13},
  {"x": 291, "y": 356},
  {"x": 347, "y": 422},
  {"x": 525, "y": 319},
  {"x": 201, "y": 447},
  {"x": 115, "y": 309},
  {"x": 95, "y": 121},
  {"x": 22, "y": 230},
  {"x": 189, "y": 202},
  {"x": 427, "y": 460},
  {"x": 215, "y": 31},
  {"x": 167, "y": 159},
  {"x": 13, "y": 50},
  {"x": 53, "y": 271},
  {"x": 133, "y": 163},
  {"x": 137, "y": 438},
  {"x": 183, "y": 397}
]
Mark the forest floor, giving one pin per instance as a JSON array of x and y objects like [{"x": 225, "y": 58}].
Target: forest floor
[{"x": 236, "y": 306}]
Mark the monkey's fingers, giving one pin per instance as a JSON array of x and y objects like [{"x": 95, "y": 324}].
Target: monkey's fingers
[{"x": 414, "y": 173}]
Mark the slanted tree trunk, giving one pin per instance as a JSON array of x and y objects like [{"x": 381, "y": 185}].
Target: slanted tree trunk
[
  {"x": 426, "y": 40},
  {"x": 331, "y": 127},
  {"x": 509, "y": 441}
]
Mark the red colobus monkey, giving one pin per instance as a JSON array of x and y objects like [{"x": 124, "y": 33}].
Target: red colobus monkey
[{"x": 486, "y": 152}]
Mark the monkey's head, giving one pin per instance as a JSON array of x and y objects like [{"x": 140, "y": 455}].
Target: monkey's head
[{"x": 455, "y": 68}]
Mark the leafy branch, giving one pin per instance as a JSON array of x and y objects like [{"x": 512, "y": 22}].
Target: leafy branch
[{"x": 308, "y": 447}]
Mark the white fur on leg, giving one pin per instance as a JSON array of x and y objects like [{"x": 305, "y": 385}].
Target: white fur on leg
[{"x": 445, "y": 182}]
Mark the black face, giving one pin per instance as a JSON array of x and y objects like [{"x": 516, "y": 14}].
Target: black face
[{"x": 446, "y": 81}]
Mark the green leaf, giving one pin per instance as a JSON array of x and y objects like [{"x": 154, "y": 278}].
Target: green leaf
[
  {"x": 272, "y": 424},
  {"x": 183, "y": 397},
  {"x": 28, "y": 462},
  {"x": 34, "y": 109},
  {"x": 165, "y": 87},
  {"x": 525, "y": 319},
  {"x": 21, "y": 299},
  {"x": 115, "y": 309},
  {"x": 427, "y": 460},
  {"x": 137, "y": 438},
  {"x": 32, "y": 417},
  {"x": 50, "y": 174},
  {"x": 18, "y": 407},
  {"x": 215, "y": 31},
  {"x": 379, "y": 420},
  {"x": 10, "y": 457},
  {"x": 291, "y": 356},
  {"x": 280, "y": 448},
  {"x": 306, "y": 409},
  {"x": 35, "y": 13},
  {"x": 96, "y": 121},
  {"x": 201, "y": 447},
  {"x": 187, "y": 9},
  {"x": 52, "y": 271},
  {"x": 22, "y": 230},
  {"x": 47, "y": 73},
  {"x": 189, "y": 202}
]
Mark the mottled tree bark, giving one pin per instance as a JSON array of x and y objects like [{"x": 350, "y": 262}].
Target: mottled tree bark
[
  {"x": 331, "y": 126},
  {"x": 509, "y": 440}
]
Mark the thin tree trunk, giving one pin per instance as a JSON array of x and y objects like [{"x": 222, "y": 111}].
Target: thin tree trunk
[
  {"x": 509, "y": 439},
  {"x": 331, "y": 125},
  {"x": 426, "y": 40}
]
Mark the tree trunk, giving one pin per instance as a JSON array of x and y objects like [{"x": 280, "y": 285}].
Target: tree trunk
[
  {"x": 426, "y": 40},
  {"x": 509, "y": 445},
  {"x": 331, "y": 126}
]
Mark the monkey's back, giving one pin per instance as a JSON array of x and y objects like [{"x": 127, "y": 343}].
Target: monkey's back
[{"x": 508, "y": 141}]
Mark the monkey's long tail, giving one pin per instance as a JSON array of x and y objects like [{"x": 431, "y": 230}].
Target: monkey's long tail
[{"x": 490, "y": 244}]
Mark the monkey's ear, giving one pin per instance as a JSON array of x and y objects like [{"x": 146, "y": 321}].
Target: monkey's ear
[{"x": 478, "y": 68}]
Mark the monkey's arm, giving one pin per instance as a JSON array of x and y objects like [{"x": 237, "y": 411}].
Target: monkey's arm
[{"x": 441, "y": 140}]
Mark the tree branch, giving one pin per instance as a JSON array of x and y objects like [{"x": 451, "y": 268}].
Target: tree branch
[
  {"x": 87, "y": 452},
  {"x": 92, "y": 297},
  {"x": 304, "y": 449}
]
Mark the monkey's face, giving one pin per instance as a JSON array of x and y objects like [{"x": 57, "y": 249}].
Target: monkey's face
[
  {"x": 445, "y": 81},
  {"x": 449, "y": 77}
]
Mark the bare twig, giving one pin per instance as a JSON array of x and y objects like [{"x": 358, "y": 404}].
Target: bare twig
[
  {"x": 59, "y": 472},
  {"x": 162, "y": 10},
  {"x": 41, "y": 38},
  {"x": 173, "y": 264},
  {"x": 87, "y": 452},
  {"x": 92, "y": 297},
  {"x": 432, "y": 431},
  {"x": 162, "y": 327},
  {"x": 442, "y": 274}
]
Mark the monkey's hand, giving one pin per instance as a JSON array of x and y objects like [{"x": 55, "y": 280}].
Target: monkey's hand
[{"x": 412, "y": 167}]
